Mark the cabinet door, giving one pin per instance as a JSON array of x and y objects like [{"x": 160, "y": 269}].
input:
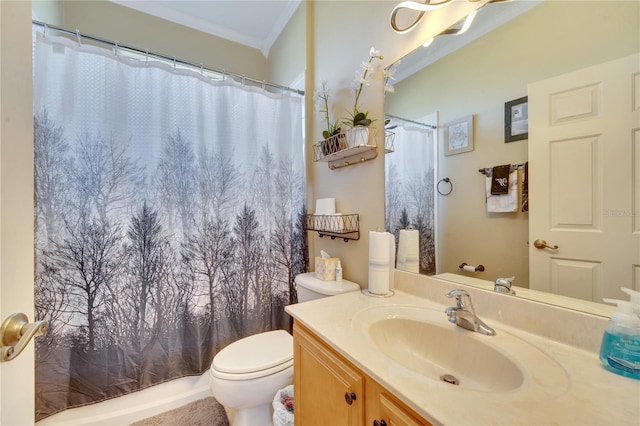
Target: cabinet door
[
  {"x": 383, "y": 409},
  {"x": 395, "y": 415},
  {"x": 327, "y": 390}
]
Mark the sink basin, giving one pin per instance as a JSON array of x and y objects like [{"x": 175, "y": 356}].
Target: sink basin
[{"x": 423, "y": 341}]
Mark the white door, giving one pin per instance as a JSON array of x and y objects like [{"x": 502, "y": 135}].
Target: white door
[
  {"x": 584, "y": 153},
  {"x": 16, "y": 203}
]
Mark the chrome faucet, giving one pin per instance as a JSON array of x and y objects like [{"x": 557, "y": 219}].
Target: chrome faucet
[
  {"x": 463, "y": 314},
  {"x": 503, "y": 285}
]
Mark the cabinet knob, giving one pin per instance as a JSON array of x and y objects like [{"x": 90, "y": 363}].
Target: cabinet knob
[
  {"x": 349, "y": 397},
  {"x": 379, "y": 423}
]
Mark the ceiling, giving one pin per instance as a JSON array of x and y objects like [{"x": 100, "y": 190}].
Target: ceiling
[{"x": 253, "y": 23}]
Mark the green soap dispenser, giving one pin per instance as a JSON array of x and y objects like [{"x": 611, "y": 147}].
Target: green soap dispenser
[{"x": 620, "y": 348}]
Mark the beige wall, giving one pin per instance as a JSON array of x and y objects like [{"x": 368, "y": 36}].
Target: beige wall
[
  {"x": 286, "y": 62},
  {"x": 114, "y": 22},
  {"x": 553, "y": 38}
]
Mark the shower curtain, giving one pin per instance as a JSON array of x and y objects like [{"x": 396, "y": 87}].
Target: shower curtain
[
  {"x": 168, "y": 223},
  {"x": 409, "y": 188}
]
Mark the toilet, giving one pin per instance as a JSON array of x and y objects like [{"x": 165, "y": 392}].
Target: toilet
[{"x": 245, "y": 375}]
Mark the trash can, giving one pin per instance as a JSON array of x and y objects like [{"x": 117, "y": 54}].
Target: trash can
[{"x": 283, "y": 407}]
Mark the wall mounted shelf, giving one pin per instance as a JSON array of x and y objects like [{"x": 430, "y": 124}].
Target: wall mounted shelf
[
  {"x": 354, "y": 146},
  {"x": 345, "y": 226}
]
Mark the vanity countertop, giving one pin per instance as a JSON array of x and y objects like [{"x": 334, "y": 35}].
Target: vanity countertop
[{"x": 591, "y": 395}]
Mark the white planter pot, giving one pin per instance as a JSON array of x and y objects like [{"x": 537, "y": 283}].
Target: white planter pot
[{"x": 357, "y": 136}]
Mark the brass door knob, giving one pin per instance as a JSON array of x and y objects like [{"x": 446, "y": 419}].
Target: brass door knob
[
  {"x": 542, "y": 244},
  {"x": 15, "y": 333}
]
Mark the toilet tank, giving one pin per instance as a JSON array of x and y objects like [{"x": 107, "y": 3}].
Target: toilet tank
[{"x": 310, "y": 288}]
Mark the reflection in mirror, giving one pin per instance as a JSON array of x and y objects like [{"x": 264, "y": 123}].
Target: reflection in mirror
[
  {"x": 409, "y": 188},
  {"x": 477, "y": 74}
]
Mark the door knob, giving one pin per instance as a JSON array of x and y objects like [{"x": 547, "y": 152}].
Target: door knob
[
  {"x": 542, "y": 244},
  {"x": 16, "y": 332}
]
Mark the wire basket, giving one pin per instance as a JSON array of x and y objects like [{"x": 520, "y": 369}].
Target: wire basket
[
  {"x": 389, "y": 141},
  {"x": 343, "y": 143},
  {"x": 337, "y": 223}
]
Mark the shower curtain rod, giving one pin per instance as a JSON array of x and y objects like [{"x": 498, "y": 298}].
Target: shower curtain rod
[
  {"x": 173, "y": 60},
  {"x": 429, "y": 126}
]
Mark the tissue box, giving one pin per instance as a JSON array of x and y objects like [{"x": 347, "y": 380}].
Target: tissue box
[{"x": 326, "y": 268}]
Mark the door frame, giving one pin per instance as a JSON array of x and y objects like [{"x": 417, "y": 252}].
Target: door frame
[{"x": 17, "y": 388}]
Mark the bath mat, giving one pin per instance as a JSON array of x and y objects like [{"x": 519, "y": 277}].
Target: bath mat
[{"x": 203, "y": 412}]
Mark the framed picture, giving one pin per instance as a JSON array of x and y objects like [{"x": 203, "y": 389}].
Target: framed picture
[
  {"x": 516, "y": 120},
  {"x": 458, "y": 136}
]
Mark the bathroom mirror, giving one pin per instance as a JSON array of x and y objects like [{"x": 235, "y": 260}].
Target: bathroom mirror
[{"x": 476, "y": 74}]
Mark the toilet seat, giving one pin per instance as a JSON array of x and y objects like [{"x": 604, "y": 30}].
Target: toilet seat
[{"x": 254, "y": 356}]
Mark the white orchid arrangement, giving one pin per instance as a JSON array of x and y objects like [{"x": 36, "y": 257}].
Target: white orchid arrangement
[
  {"x": 322, "y": 103},
  {"x": 388, "y": 73},
  {"x": 357, "y": 117},
  {"x": 363, "y": 76}
]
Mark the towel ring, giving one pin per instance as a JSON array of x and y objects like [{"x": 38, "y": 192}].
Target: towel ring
[{"x": 445, "y": 180}]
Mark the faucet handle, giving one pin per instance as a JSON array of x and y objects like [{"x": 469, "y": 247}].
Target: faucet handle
[
  {"x": 459, "y": 293},
  {"x": 506, "y": 281},
  {"x": 503, "y": 285}
]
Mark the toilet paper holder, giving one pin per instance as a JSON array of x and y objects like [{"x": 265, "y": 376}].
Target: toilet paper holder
[{"x": 470, "y": 268}]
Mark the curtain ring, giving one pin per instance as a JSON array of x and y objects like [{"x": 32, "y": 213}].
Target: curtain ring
[
  {"x": 202, "y": 69},
  {"x": 115, "y": 48},
  {"x": 79, "y": 38},
  {"x": 445, "y": 180},
  {"x": 146, "y": 57},
  {"x": 46, "y": 27}
]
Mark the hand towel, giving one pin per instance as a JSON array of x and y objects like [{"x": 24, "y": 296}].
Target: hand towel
[
  {"x": 506, "y": 203},
  {"x": 525, "y": 188},
  {"x": 500, "y": 179}
]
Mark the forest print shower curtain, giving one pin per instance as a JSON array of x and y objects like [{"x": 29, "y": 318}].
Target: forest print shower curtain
[{"x": 168, "y": 219}]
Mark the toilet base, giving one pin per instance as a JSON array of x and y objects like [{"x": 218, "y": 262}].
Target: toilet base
[{"x": 253, "y": 416}]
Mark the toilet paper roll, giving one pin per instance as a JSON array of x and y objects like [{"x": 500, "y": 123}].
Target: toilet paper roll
[
  {"x": 409, "y": 264},
  {"x": 381, "y": 251},
  {"x": 408, "y": 250},
  {"x": 379, "y": 247},
  {"x": 392, "y": 256},
  {"x": 379, "y": 279},
  {"x": 326, "y": 206},
  {"x": 469, "y": 268}
]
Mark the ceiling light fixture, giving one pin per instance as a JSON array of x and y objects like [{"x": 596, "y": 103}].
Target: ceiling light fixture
[
  {"x": 428, "y": 42},
  {"x": 465, "y": 26},
  {"x": 455, "y": 31},
  {"x": 427, "y": 6},
  {"x": 430, "y": 5}
]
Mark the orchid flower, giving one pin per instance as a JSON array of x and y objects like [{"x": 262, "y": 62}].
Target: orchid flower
[{"x": 362, "y": 79}]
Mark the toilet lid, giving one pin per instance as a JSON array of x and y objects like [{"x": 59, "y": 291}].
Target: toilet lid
[{"x": 255, "y": 353}]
